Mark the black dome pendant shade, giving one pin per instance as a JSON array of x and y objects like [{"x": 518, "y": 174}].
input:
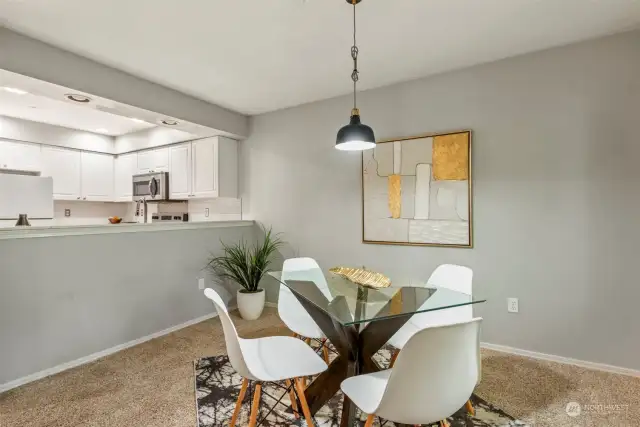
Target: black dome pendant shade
[{"x": 355, "y": 136}]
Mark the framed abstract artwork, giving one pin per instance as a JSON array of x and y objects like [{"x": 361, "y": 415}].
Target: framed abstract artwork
[{"x": 417, "y": 191}]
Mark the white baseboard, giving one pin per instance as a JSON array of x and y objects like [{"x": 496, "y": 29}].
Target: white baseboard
[
  {"x": 501, "y": 348},
  {"x": 271, "y": 304},
  {"x": 90, "y": 358},
  {"x": 560, "y": 359}
]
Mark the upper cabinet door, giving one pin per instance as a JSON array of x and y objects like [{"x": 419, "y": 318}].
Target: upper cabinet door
[
  {"x": 20, "y": 156},
  {"x": 156, "y": 160},
  {"x": 125, "y": 168},
  {"x": 204, "y": 167},
  {"x": 180, "y": 171},
  {"x": 63, "y": 166},
  {"x": 97, "y": 177},
  {"x": 161, "y": 159}
]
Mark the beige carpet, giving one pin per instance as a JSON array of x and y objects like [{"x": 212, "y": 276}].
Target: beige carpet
[{"x": 152, "y": 385}]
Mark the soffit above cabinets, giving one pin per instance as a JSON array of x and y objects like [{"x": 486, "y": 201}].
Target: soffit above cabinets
[
  {"x": 41, "y": 109},
  {"x": 39, "y": 101}
]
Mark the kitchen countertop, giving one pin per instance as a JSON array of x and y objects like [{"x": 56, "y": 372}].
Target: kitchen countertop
[{"x": 79, "y": 230}]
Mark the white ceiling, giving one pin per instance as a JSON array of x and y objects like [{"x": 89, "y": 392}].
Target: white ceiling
[{"x": 254, "y": 56}]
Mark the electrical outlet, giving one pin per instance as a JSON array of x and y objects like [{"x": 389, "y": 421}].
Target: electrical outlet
[
  {"x": 206, "y": 212},
  {"x": 201, "y": 283},
  {"x": 512, "y": 305},
  {"x": 67, "y": 212}
]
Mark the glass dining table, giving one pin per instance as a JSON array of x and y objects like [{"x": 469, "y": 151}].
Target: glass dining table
[{"x": 358, "y": 321}]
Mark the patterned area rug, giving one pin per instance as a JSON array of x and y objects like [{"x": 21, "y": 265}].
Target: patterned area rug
[{"x": 218, "y": 385}]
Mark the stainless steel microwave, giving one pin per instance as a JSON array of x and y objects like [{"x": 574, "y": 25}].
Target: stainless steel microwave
[{"x": 151, "y": 186}]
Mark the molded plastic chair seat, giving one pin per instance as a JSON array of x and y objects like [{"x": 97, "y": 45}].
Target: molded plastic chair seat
[
  {"x": 366, "y": 391},
  {"x": 432, "y": 378},
  {"x": 455, "y": 277},
  {"x": 267, "y": 359},
  {"x": 292, "y": 313},
  {"x": 279, "y": 358}
]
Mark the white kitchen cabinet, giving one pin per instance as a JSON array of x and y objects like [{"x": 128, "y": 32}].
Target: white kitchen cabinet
[
  {"x": 204, "y": 169},
  {"x": 97, "y": 177},
  {"x": 156, "y": 160},
  {"x": 20, "y": 156},
  {"x": 180, "y": 171},
  {"x": 64, "y": 166},
  {"x": 125, "y": 167}
]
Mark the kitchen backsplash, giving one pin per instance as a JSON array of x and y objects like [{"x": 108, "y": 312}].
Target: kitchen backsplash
[
  {"x": 220, "y": 209},
  {"x": 97, "y": 213},
  {"x": 80, "y": 213}
]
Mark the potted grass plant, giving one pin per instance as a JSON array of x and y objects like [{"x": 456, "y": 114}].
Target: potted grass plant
[{"x": 245, "y": 265}]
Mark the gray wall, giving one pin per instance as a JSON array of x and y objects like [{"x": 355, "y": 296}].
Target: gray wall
[
  {"x": 556, "y": 200},
  {"x": 63, "y": 298}
]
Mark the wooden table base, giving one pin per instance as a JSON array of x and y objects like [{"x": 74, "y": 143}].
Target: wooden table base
[{"x": 356, "y": 348}]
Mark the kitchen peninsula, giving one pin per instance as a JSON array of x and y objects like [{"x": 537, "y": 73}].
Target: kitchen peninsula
[{"x": 72, "y": 294}]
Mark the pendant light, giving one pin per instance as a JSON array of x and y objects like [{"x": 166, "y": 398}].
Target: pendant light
[{"x": 355, "y": 136}]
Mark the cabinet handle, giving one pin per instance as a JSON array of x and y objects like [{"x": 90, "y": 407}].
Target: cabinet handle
[{"x": 84, "y": 198}]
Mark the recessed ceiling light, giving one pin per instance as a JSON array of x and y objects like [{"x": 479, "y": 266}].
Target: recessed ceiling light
[
  {"x": 169, "y": 122},
  {"x": 102, "y": 130},
  {"x": 133, "y": 119},
  {"x": 15, "y": 90},
  {"x": 77, "y": 98}
]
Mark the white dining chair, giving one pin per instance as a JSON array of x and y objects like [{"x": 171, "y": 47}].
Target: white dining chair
[
  {"x": 269, "y": 359},
  {"x": 449, "y": 276},
  {"x": 291, "y": 312},
  {"x": 431, "y": 380}
]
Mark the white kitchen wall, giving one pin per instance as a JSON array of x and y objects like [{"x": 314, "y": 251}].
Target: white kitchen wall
[
  {"x": 82, "y": 213},
  {"x": 42, "y": 133},
  {"x": 88, "y": 213},
  {"x": 220, "y": 209}
]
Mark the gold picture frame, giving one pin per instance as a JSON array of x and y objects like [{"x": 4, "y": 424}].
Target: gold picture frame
[{"x": 450, "y": 170}]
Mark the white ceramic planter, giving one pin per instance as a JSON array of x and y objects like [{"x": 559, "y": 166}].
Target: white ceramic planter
[{"x": 251, "y": 305}]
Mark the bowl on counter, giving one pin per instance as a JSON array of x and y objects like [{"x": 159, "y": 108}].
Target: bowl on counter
[{"x": 115, "y": 219}]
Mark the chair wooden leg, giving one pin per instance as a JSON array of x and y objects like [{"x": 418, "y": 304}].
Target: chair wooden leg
[
  {"x": 325, "y": 351},
  {"x": 308, "y": 341},
  {"x": 303, "y": 402},
  {"x": 255, "y": 407},
  {"x": 294, "y": 402},
  {"x": 370, "y": 419},
  {"x": 236, "y": 411},
  {"x": 394, "y": 356},
  {"x": 470, "y": 409}
]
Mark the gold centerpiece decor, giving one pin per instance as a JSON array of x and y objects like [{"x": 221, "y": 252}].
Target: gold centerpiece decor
[{"x": 363, "y": 277}]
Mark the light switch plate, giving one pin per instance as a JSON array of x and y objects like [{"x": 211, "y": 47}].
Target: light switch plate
[
  {"x": 201, "y": 283},
  {"x": 67, "y": 212}
]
